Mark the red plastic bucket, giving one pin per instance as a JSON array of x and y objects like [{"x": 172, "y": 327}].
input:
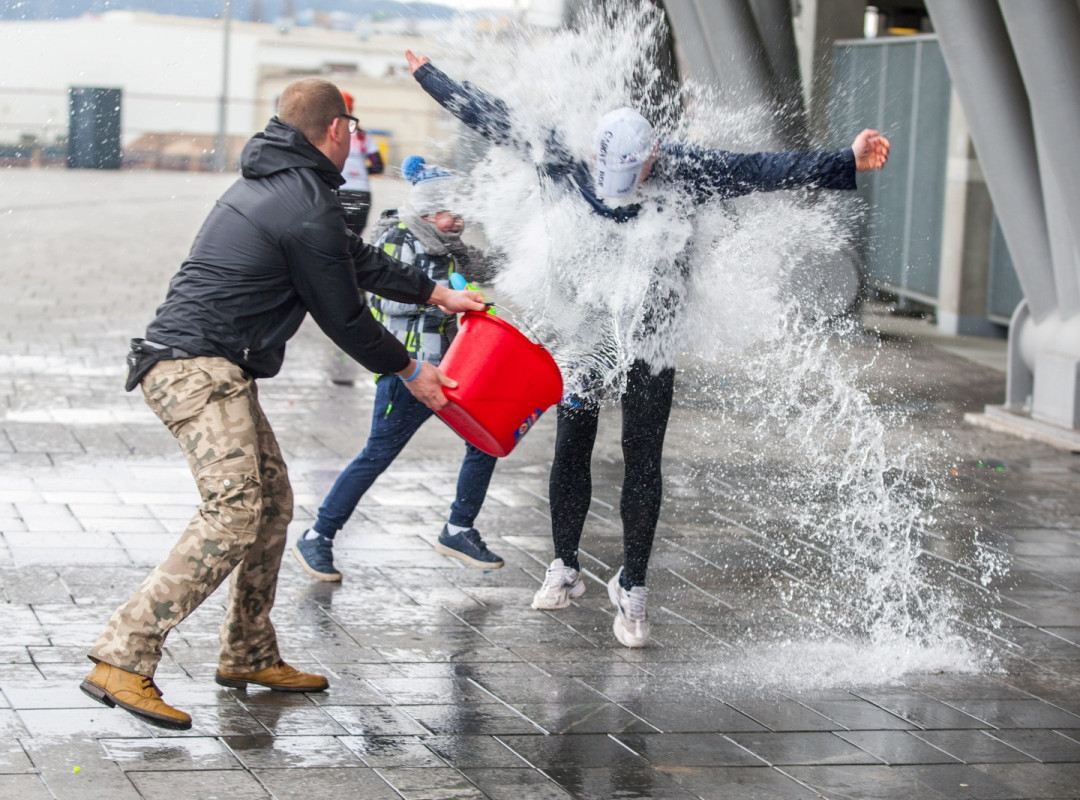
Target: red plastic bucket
[{"x": 505, "y": 382}]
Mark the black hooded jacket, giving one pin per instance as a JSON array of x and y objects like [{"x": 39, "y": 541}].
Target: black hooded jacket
[{"x": 274, "y": 248}]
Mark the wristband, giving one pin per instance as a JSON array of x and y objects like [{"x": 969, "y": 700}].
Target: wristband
[{"x": 419, "y": 365}]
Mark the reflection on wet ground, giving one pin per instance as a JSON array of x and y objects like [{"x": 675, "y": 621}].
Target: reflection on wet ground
[{"x": 444, "y": 682}]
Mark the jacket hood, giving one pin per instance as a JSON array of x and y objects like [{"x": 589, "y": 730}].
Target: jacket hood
[{"x": 281, "y": 147}]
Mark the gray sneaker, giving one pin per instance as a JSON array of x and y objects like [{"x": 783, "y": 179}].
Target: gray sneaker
[
  {"x": 561, "y": 585},
  {"x": 316, "y": 556},
  {"x": 631, "y": 624},
  {"x": 467, "y": 546}
]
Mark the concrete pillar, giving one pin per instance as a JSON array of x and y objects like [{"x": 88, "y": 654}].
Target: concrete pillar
[
  {"x": 817, "y": 25},
  {"x": 773, "y": 19},
  {"x": 1046, "y": 39},
  {"x": 963, "y": 281},
  {"x": 986, "y": 77}
]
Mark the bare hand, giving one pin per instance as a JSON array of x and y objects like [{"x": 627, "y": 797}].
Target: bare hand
[
  {"x": 415, "y": 61},
  {"x": 427, "y": 386},
  {"x": 451, "y": 301},
  {"x": 871, "y": 150}
]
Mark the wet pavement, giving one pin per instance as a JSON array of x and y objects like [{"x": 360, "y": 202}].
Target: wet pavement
[{"x": 444, "y": 683}]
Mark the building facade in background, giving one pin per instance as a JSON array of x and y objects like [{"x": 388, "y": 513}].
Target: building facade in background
[{"x": 169, "y": 71}]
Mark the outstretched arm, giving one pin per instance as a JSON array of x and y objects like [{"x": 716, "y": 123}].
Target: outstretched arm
[
  {"x": 484, "y": 113},
  {"x": 718, "y": 173}
]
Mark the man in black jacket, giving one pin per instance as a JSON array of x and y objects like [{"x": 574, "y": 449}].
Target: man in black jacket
[{"x": 274, "y": 248}]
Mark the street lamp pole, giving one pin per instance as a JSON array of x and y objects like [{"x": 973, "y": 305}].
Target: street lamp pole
[{"x": 221, "y": 155}]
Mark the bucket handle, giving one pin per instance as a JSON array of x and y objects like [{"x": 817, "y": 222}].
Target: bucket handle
[{"x": 457, "y": 281}]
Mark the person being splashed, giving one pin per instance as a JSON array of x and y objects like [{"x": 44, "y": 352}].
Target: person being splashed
[{"x": 632, "y": 176}]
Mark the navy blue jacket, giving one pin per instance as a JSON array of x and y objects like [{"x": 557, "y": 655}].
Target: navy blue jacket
[
  {"x": 700, "y": 173},
  {"x": 273, "y": 248}
]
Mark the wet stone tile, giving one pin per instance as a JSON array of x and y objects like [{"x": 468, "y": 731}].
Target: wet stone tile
[
  {"x": 1043, "y": 745},
  {"x": 226, "y": 719},
  {"x": 741, "y": 783},
  {"x": 566, "y": 718},
  {"x": 514, "y": 784},
  {"x": 966, "y": 687},
  {"x": 25, "y": 787},
  {"x": 1036, "y": 780},
  {"x": 281, "y": 752},
  {"x": 858, "y": 715},
  {"x": 108, "y": 722},
  {"x": 376, "y": 720},
  {"x": 21, "y": 628},
  {"x": 713, "y": 716},
  {"x": 973, "y": 747},
  {"x": 927, "y": 713},
  {"x": 1018, "y": 713},
  {"x": 393, "y": 751},
  {"x": 473, "y": 752},
  {"x": 602, "y": 783},
  {"x": 475, "y": 670},
  {"x": 865, "y": 782},
  {"x": 540, "y": 690},
  {"x": 964, "y": 783},
  {"x": 169, "y": 754},
  {"x": 307, "y": 784},
  {"x": 233, "y": 784},
  {"x": 430, "y": 784},
  {"x": 348, "y": 691},
  {"x": 897, "y": 747},
  {"x": 490, "y": 719},
  {"x": 303, "y": 721},
  {"x": 13, "y": 757},
  {"x": 802, "y": 748},
  {"x": 678, "y": 750},
  {"x": 783, "y": 715},
  {"x": 433, "y": 691},
  {"x": 47, "y": 694},
  {"x": 586, "y": 750}
]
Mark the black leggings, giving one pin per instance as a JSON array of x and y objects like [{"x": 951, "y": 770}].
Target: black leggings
[{"x": 646, "y": 406}]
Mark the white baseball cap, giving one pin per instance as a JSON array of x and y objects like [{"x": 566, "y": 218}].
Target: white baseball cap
[{"x": 623, "y": 142}]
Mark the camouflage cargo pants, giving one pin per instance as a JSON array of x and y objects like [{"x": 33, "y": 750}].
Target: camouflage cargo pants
[{"x": 212, "y": 408}]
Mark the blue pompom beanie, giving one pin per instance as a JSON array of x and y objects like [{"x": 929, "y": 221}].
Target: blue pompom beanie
[{"x": 430, "y": 186}]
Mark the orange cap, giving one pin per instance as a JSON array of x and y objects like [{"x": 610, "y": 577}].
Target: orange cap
[{"x": 348, "y": 101}]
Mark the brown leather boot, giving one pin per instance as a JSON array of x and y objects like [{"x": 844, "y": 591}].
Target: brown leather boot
[
  {"x": 280, "y": 677},
  {"x": 113, "y": 686}
]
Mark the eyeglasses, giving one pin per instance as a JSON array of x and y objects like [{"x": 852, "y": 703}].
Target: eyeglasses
[{"x": 354, "y": 123}]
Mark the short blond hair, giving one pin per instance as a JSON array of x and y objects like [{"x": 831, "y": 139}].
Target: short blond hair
[{"x": 311, "y": 104}]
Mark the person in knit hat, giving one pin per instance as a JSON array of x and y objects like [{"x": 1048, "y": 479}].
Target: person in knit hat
[{"x": 425, "y": 233}]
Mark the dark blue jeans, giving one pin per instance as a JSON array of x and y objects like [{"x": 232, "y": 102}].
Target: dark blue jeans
[{"x": 396, "y": 417}]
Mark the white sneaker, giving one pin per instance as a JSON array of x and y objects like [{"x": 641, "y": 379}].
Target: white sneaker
[
  {"x": 561, "y": 585},
  {"x": 631, "y": 624}
]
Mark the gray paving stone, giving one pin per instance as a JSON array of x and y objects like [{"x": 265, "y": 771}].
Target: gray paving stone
[
  {"x": 512, "y": 784},
  {"x": 304, "y": 784},
  {"x": 433, "y": 783},
  {"x": 25, "y": 787},
  {"x": 742, "y": 783},
  {"x": 898, "y": 747},
  {"x": 595, "y": 783},
  {"x": 780, "y": 749},
  {"x": 974, "y": 747},
  {"x": 234, "y": 784},
  {"x": 1043, "y": 781},
  {"x": 964, "y": 782}
]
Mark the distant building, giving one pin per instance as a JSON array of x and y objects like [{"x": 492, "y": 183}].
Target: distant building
[{"x": 170, "y": 72}]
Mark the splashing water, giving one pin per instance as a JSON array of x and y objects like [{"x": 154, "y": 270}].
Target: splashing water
[{"x": 851, "y": 535}]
